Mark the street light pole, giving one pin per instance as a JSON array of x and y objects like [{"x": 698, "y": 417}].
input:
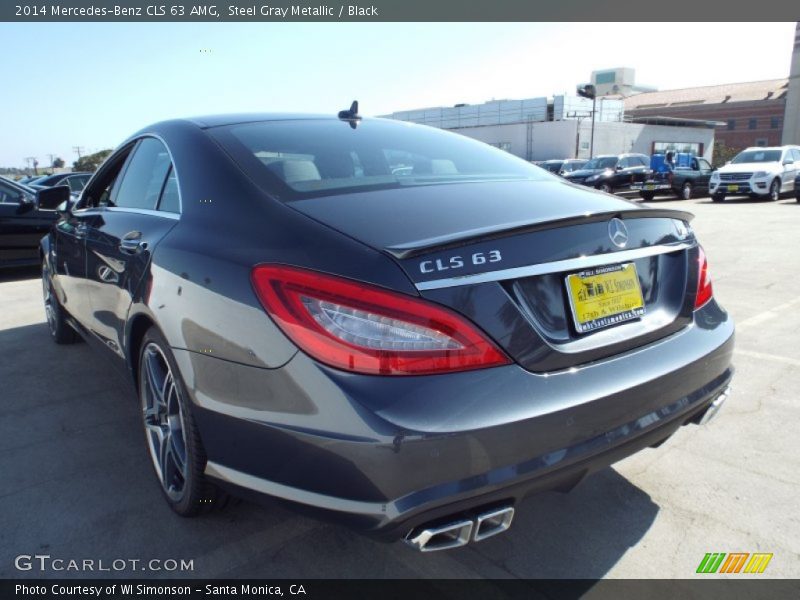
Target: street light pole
[{"x": 591, "y": 140}]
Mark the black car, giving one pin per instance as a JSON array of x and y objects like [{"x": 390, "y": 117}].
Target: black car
[
  {"x": 797, "y": 187},
  {"x": 22, "y": 225},
  {"x": 76, "y": 181},
  {"x": 612, "y": 173},
  {"x": 683, "y": 182},
  {"x": 397, "y": 326}
]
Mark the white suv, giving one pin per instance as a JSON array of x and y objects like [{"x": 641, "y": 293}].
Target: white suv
[{"x": 759, "y": 172}]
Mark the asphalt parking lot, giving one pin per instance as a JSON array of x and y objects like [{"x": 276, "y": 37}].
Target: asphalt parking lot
[{"x": 76, "y": 483}]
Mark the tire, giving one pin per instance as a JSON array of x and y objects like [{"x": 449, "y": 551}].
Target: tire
[
  {"x": 775, "y": 190},
  {"x": 171, "y": 435},
  {"x": 686, "y": 191},
  {"x": 60, "y": 330},
  {"x": 605, "y": 187},
  {"x": 718, "y": 198},
  {"x": 647, "y": 196}
]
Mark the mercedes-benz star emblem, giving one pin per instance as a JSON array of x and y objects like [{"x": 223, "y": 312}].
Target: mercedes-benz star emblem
[{"x": 618, "y": 233}]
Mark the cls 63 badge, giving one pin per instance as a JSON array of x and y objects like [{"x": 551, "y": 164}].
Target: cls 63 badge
[{"x": 458, "y": 262}]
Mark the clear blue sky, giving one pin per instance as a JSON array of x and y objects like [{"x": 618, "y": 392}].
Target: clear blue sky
[{"x": 92, "y": 85}]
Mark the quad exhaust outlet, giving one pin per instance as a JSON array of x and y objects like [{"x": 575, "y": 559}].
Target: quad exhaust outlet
[{"x": 462, "y": 532}]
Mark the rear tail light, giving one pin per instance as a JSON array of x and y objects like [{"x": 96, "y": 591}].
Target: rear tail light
[
  {"x": 704, "y": 291},
  {"x": 366, "y": 329}
]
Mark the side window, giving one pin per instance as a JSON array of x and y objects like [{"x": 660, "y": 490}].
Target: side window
[
  {"x": 170, "y": 200},
  {"x": 703, "y": 164},
  {"x": 144, "y": 177},
  {"x": 77, "y": 183},
  {"x": 795, "y": 155},
  {"x": 624, "y": 163},
  {"x": 9, "y": 195}
]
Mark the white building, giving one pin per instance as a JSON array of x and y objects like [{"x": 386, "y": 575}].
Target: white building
[
  {"x": 541, "y": 129},
  {"x": 791, "y": 119}
]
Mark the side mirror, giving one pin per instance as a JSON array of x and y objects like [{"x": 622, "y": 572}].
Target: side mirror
[{"x": 53, "y": 197}]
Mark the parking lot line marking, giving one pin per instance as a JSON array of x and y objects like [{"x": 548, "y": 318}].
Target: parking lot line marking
[
  {"x": 773, "y": 312},
  {"x": 774, "y": 357}
]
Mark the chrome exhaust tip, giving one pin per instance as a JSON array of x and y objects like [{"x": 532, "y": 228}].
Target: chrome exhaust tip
[
  {"x": 492, "y": 523},
  {"x": 715, "y": 406},
  {"x": 445, "y": 537}
]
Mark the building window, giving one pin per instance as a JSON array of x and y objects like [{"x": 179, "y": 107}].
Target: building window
[
  {"x": 775, "y": 122},
  {"x": 752, "y": 124},
  {"x": 731, "y": 124},
  {"x": 761, "y": 142},
  {"x": 606, "y": 77}
]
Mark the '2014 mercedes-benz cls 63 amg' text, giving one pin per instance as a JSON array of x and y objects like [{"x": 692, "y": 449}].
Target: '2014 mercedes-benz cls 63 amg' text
[{"x": 400, "y": 327}]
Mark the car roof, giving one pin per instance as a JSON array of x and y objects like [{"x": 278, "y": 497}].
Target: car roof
[
  {"x": 205, "y": 121},
  {"x": 20, "y": 186}
]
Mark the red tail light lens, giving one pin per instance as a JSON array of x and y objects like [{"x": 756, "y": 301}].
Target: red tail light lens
[
  {"x": 704, "y": 291},
  {"x": 366, "y": 329}
]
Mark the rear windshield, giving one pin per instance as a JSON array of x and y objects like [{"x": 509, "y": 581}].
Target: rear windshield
[
  {"x": 757, "y": 156},
  {"x": 553, "y": 167},
  {"x": 301, "y": 158},
  {"x": 573, "y": 165}
]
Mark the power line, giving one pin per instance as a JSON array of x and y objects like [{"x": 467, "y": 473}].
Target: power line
[{"x": 78, "y": 150}]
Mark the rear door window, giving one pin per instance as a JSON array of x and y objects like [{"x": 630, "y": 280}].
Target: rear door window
[
  {"x": 144, "y": 177},
  {"x": 170, "y": 200}
]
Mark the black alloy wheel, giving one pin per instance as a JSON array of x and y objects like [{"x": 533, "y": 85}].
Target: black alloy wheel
[
  {"x": 60, "y": 330},
  {"x": 178, "y": 456}
]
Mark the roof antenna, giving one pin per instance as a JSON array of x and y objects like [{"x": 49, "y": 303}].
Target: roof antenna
[{"x": 351, "y": 115}]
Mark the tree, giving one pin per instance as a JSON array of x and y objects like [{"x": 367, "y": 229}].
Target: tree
[
  {"x": 723, "y": 153},
  {"x": 58, "y": 163},
  {"x": 90, "y": 162}
]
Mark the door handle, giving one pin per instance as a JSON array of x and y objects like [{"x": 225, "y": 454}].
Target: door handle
[{"x": 132, "y": 243}]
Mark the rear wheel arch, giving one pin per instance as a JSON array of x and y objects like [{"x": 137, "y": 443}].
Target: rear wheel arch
[{"x": 136, "y": 330}]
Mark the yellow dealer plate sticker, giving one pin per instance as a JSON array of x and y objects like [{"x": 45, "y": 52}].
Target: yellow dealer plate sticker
[{"x": 604, "y": 296}]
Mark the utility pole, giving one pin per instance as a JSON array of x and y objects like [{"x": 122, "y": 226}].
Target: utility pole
[
  {"x": 51, "y": 157},
  {"x": 579, "y": 118},
  {"x": 589, "y": 91},
  {"x": 78, "y": 150},
  {"x": 32, "y": 163}
]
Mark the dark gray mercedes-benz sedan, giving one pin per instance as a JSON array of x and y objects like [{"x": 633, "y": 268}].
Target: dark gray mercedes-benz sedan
[{"x": 398, "y": 327}]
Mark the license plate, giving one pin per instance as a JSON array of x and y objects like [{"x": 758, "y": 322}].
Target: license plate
[
  {"x": 650, "y": 186},
  {"x": 604, "y": 296},
  {"x": 733, "y": 188}
]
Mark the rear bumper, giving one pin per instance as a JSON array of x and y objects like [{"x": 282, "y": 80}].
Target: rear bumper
[{"x": 387, "y": 454}]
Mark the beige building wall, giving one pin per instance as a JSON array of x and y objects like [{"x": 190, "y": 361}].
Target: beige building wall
[{"x": 791, "y": 119}]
